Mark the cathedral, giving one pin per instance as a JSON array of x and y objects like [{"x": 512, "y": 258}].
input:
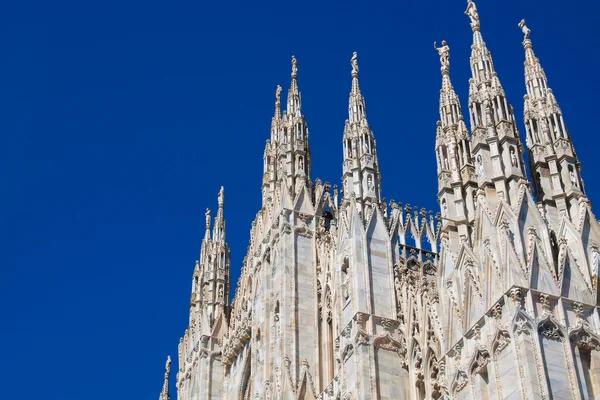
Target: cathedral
[{"x": 343, "y": 295}]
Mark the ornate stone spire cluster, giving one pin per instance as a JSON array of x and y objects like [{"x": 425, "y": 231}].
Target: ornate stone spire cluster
[
  {"x": 556, "y": 170},
  {"x": 287, "y": 160},
  {"x": 339, "y": 299}
]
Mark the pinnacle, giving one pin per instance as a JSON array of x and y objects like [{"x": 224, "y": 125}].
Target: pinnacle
[
  {"x": 356, "y": 106},
  {"x": 293, "y": 100},
  {"x": 278, "y": 102},
  {"x": 354, "y": 62}
]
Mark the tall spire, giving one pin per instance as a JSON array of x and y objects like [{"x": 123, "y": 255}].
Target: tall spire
[
  {"x": 482, "y": 65},
  {"x": 207, "y": 218},
  {"x": 164, "y": 394},
  {"x": 450, "y": 109},
  {"x": 219, "y": 229},
  {"x": 294, "y": 102},
  {"x": 277, "y": 103},
  {"x": 497, "y": 146},
  {"x": 361, "y": 176},
  {"x": 556, "y": 171},
  {"x": 453, "y": 153},
  {"x": 535, "y": 78},
  {"x": 356, "y": 106}
]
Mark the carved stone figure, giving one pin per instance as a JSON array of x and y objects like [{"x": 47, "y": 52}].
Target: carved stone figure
[
  {"x": 573, "y": 178},
  {"x": 444, "y": 53},
  {"x": 513, "y": 158},
  {"x": 480, "y": 169},
  {"x": 354, "y": 62},
  {"x": 473, "y": 14},
  {"x": 525, "y": 29},
  {"x": 370, "y": 183}
]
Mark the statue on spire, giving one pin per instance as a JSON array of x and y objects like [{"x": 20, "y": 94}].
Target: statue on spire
[
  {"x": 473, "y": 14},
  {"x": 278, "y": 102},
  {"x": 207, "y": 216},
  {"x": 525, "y": 29},
  {"x": 444, "y": 53},
  {"x": 294, "y": 67},
  {"x": 221, "y": 196},
  {"x": 354, "y": 62}
]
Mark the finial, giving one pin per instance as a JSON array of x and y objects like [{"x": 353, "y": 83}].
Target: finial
[
  {"x": 294, "y": 67},
  {"x": 207, "y": 216},
  {"x": 525, "y": 29},
  {"x": 278, "y": 102},
  {"x": 354, "y": 62},
  {"x": 168, "y": 365},
  {"x": 221, "y": 196},
  {"x": 473, "y": 14},
  {"x": 444, "y": 53}
]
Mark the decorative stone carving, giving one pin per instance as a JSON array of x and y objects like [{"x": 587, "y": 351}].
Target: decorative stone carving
[{"x": 433, "y": 300}]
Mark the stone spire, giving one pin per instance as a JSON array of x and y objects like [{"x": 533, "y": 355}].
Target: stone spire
[
  {"x": 497, "y": 147},
  {"x": 456, "y": 182},
  {"x": 556, "y": 170},
  {"x": 294, "y": 101},
  {"x": 361, "y": 176},
  {"x": 219, "y": 228},
  {"x": 293, "y": 152},
  {"x": 277, "y": 103},
  {"x": 356, "y": 105},
  {"x": 450, "y": 109},
  {"x": 164, "y": 394},
  {"x": 207, "y": 218},
  {"x": 210, "y": 285}
]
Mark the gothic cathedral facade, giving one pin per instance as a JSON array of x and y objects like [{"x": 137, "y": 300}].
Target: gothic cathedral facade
[{"x": 340, "y": 296}]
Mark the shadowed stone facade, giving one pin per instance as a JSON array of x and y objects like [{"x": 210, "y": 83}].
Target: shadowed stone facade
[{"x": 339, "y": 298}]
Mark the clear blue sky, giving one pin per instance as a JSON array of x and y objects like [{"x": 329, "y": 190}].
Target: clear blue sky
[{"x": 120, "y": 120}]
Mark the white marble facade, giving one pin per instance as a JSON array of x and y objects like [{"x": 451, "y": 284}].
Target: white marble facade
[{"x": 341, "y": 298}]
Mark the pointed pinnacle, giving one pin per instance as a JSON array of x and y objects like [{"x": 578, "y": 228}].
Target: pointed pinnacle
[
  {"x": 221, "y": 197},
  {"x": 278, "y": 102},
  {"x": 294, "y": 68},
  {"x": 354, "y": 63}
]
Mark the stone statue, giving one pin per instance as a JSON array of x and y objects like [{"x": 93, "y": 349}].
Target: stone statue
[
  {"x": 513, "y": 158},
  {"x": 525, "y": 29},
  {"x": 278, "y": 94},
  {"x": 207, "y": 216},
  {"x": 573, "y": 178},
  {"x": 294, "y": 67},
  {"x": 168, "y": 364},
  {"x": 221, "y": 196},
  {"x": 301, "y": 163},
  {"x": 370, "y": 183},
  {"x": 480, "y": 169},
  {"x": 354, "y": 62},
  {"x": 444, "y": 53},
  {"x": 473, "y": 14}
]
